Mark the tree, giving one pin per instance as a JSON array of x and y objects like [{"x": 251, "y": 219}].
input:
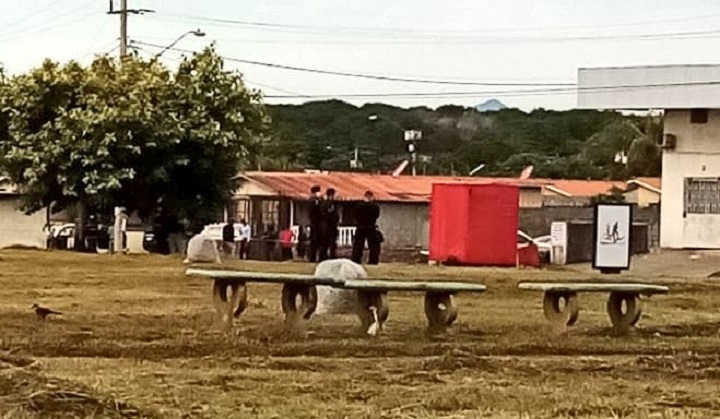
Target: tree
[{"x": 129, "y": 133}]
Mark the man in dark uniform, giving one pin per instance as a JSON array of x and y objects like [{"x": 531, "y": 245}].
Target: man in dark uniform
[
  {"x": 315, "y": 213},
  {"x": 228, "y": 235},
  {"x": 330, "y": 222},
  {"x": 366, "y": 216}
]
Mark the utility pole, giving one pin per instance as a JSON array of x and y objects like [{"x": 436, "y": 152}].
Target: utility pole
[
  {"x": 123, "y": 12},
  {"x": 123, "y": 28},
  {"x": 411, "y": 136}
]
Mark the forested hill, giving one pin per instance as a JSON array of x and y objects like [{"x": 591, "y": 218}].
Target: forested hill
[{"x": 579, "y": 144}]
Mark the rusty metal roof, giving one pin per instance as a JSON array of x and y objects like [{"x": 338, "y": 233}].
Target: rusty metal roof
[{"x": 352, "y": 186}]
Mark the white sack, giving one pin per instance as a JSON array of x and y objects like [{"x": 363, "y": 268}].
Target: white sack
[
  {"x": 337, "y": 300},
  {"x": 201, "y": 249}
]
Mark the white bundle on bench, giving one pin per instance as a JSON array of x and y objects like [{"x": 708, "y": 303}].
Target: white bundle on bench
[{"x": 337, "y": 300}]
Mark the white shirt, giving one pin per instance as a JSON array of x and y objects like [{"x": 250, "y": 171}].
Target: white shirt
[{"x": 245, "y": 232}]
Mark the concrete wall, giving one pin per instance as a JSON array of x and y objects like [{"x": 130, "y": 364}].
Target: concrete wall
[
  {"x": 642, "y": 197},
  {"x": 17, "y": 228},
  {"x": 404, "y": 225},
  {"x": 697, "y": 154},
  {"x": 531, "y": 197},
  {"x": 537, "y": 221},
  {"x": 649, "y": 87}
]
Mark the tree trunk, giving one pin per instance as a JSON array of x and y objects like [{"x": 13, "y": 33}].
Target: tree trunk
[{"x": 82, "y": 215}]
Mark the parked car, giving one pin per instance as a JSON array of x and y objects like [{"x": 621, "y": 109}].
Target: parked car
[{"x": 542, "y": 243}]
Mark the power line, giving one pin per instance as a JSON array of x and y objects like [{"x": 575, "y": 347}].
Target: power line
[
  {"x": 505, "y": 93},
  {"x": 371, "y": 76},
  {"x": 710, "y": 34},
  {"x": 44, "y": 27},
  {"x": 549, "y": 89},
  {"x": 340, "y": 37},
  {"x": 43, "y": 8},
  {"x": 124, "y": 12},
  {"x": 336, "y": 29}
]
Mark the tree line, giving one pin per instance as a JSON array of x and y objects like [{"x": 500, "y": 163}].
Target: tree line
[{"x": 575, "y": 144}]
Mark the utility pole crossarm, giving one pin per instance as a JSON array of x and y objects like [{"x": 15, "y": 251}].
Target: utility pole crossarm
[{"x": 124, "y": 12}]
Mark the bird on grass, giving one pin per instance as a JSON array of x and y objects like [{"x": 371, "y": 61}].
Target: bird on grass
[{"x": 43, "y": 312}]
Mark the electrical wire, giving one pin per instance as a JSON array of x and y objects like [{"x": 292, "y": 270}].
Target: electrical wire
[
  {"x": 371, "y": 76},
  {"x": 405, "y": 31},
  {"x": 35, "y": 12},
  {"x": 44, "y": 27},
  {"x": 548, "y": 90},
  {"x": 501, "y": 93}
]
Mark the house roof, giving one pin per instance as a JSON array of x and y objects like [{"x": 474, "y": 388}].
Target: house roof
[
  {"x": 650, "y": 183},
  {"x": 352, "y": 186},
  {"x": 582, "y": 188}
]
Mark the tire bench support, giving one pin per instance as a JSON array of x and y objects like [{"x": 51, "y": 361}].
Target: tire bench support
[
  {"x": 623, "y": 305},
  {"x": 440, "y": 310},
  {"x": 230, "y": 293}
]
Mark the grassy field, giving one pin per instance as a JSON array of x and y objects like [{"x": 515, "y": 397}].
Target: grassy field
[{"x": 136, "y": 340}]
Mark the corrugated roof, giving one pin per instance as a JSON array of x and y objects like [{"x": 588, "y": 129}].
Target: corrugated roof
[
  {"x": 352, "y": 186},
  {"x": 651, "y": 182},
  {"x": 585, "y": 188}
]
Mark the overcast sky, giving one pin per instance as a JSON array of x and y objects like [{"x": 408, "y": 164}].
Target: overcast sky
[{"x": 497, "y": 41}]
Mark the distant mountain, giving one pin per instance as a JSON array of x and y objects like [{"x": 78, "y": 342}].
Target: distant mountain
[{"x": 490, "y": 105}]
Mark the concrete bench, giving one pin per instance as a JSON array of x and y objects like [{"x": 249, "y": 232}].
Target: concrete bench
[
  {"x": 233, "y": 304},
  {"x": 440, "y": 310},
  {"x": 627, "y": 294},
  {"x": 372, "y": 309}
]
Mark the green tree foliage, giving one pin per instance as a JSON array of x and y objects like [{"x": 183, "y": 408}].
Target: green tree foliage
[
  {"x": 130, "y": 133},
  {"x": 559, "y": 144}
]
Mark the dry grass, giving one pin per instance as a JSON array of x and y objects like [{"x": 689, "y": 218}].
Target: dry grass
[{"x": 135, "y": 341}]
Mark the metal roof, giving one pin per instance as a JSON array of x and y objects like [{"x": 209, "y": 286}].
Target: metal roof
[{"x": 352, "y": 186}]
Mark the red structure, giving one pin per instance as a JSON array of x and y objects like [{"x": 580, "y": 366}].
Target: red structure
[{"x": 474, "y": 224}]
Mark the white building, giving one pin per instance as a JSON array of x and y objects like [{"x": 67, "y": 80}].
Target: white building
[
  {"x": 17, "y": 228},
  {"x": 689, "y": 96}
]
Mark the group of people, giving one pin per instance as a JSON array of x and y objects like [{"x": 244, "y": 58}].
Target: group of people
[
  {"x": 324, "y": 222},
  {"x": 321, "y": 242}
]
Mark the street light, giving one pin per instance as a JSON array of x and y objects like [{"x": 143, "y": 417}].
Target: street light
[
  {"x": 411, "y": 136},
  {"x": 196, "y": 32}
]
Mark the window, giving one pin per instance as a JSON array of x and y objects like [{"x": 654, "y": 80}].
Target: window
[
  {"x": 702, "y": 196},
  {"x": 241, "y": 210},
  {"x": 270, "y": 215},
  {"x": 698, "y": 116}
]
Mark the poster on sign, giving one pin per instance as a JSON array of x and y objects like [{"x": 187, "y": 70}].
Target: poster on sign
[{"x": 612, "y": 230}]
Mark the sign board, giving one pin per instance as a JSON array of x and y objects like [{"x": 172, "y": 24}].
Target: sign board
[
  {"x": 612, "y": 229},
  {"x": 413, "y": 135},
  {"x": 558, "y": 234},
  {"x": 558, "y": 242}
]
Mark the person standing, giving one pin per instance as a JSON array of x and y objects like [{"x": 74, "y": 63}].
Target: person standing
[
  {"x": 366, "y": 216},
  {"x": 286, "y": 243},
  {"x": 245, "y": 236},
  {"x": 315, "y": 213},
  {"x": 228, "y": 234},
  {"x": 302, "y": 239},
  {"x": 331, "y": 220}
]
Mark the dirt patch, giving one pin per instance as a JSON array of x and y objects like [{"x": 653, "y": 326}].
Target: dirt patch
[{"x": 26, "y": 393}]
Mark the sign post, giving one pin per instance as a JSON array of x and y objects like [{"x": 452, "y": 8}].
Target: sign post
[{"x": 612, "y": 233}]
